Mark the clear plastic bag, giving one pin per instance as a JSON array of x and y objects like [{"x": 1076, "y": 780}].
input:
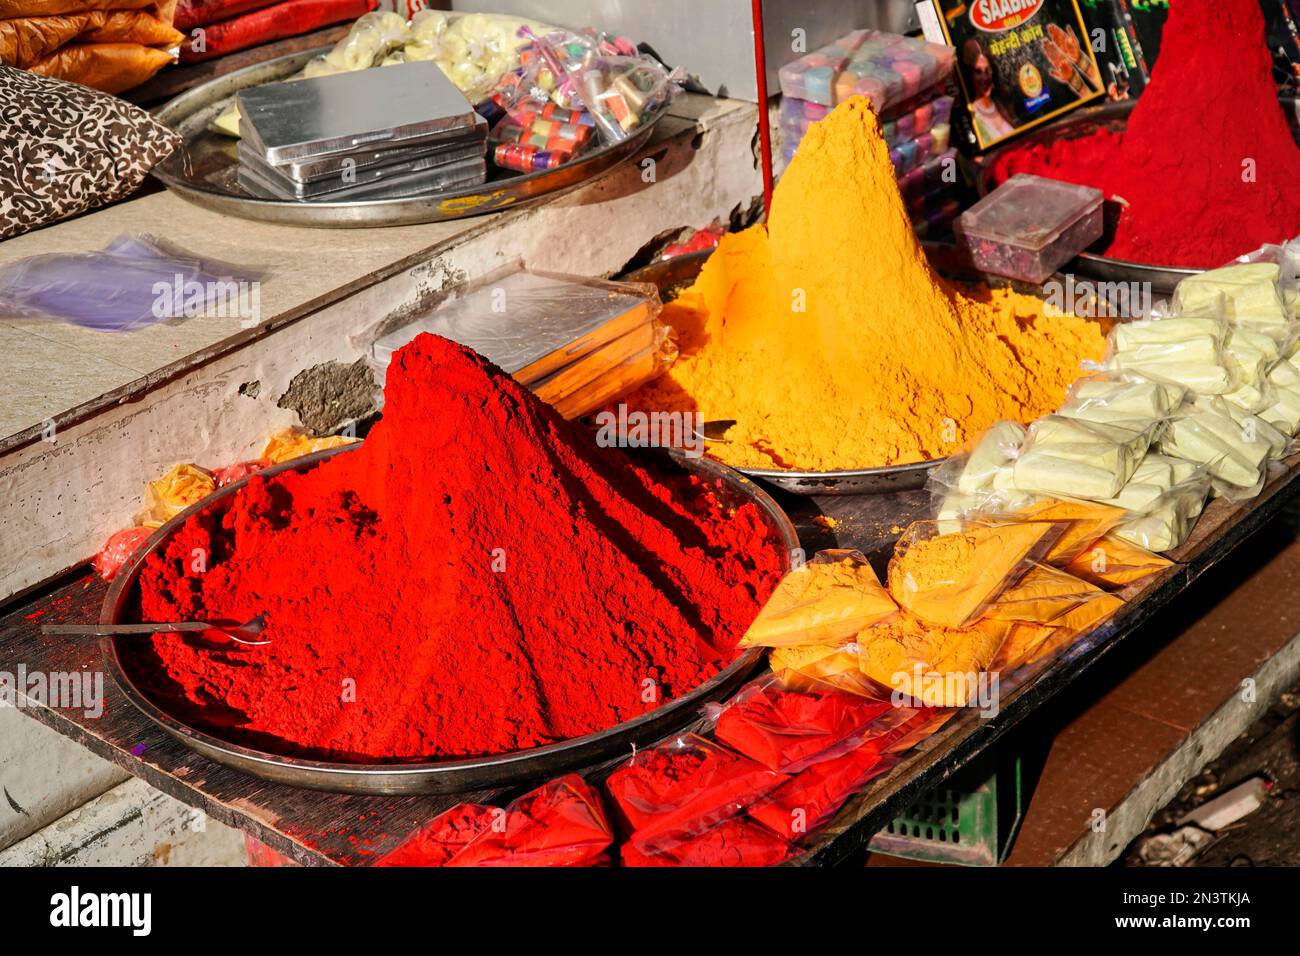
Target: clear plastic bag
[
  {"x": 1230, "y": 447},
  {"x": 1284, "y": 413},
  {"x": 995, "y": 449},
  {"x": 819, "y": 668},
  {"x": 1043, "y": 595},
  {"x": 736, "y": 841},
  {"x": 118, "y": 549},
  {"x": 1112, "y": 562},
  {"x": 132, "y": 282},
  {"x": 1248, "y": 292},
  {"x": 1071, "y": 458},
  {"x": 932, "y": 665},
  {"x": 802, "y": 804},
  {"x": 825, "y": 600},
  {"x": 788, "y": 730},
  {"x": 683, "y": 787},
  {"x": 1116, "y": 399},
  {"x": 1182, "y": 347},
  {"x": 439, "y": 840},
  {"x": 372, "y": 37},
  {"x": 562, "y": 823},
  {"x": 947, "y": 577}
]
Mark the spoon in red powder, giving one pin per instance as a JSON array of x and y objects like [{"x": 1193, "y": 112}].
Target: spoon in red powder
[{"x": 209, "y": 632}]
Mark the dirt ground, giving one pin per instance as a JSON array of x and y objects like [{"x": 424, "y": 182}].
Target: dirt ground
[{"x": 1270, "y": 836}]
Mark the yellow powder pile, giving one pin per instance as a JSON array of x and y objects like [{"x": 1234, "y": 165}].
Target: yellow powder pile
[
  {"x": 821, "y": 602},
  {"x": 831, "y": 342}
]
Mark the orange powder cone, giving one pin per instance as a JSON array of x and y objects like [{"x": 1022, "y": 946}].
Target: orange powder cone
[{"x": 830, "y": 340}]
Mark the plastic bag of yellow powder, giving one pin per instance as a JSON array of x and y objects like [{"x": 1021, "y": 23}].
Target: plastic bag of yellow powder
[
  {"x": 1042, "y": 596},
  {"x": 291, "y": 443},
  {"x": 168, "y": 496},
  {"x": 1086, "y": 521},
  {"x": 948, "y": 579},
  {"x": 1077, "y": 624},
  {"x": 1021, "y": 645},
  {"x": 1112, "y": 562},
  {"x": 927, "y": 663},
  {"x": 1046, "y": 604},
  {"x": 815, "y": 667},
  {"x": 827, "y": 600}
]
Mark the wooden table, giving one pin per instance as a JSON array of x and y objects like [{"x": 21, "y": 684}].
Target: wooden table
[{"x": 321, "y": 829}]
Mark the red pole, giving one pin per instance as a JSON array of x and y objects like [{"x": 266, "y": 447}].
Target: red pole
[{"x": 764, "y": 128}]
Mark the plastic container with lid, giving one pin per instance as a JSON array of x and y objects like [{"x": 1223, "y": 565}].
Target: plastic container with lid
[
  {"x": 1030, "y": 226},
  {"x": 885, "y": 67}
]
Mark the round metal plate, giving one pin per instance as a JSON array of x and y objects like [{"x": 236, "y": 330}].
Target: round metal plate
[
  {"x": 1082, "y": 122},
  {"x": 204, "y": 171},
  {"x": 445, "y": 776},
  {"x": 668, "y": 276}
]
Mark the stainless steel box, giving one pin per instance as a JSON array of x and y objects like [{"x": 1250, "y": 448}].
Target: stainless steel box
[{"x": 713, "y": 40}]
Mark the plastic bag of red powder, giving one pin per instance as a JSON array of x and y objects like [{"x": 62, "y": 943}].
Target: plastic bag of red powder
[
  {"x": 811, "y": 797},
  {"x": 684, "y": 787},
  {"x": 435, "y": 843},
  {"x": 118, "y": 549},
  {"x": 561, "y": 823},
  {"x": 786, "y": 730},
  {"x": 240, "y": 469},
  {"x": 733, "y": 842}
]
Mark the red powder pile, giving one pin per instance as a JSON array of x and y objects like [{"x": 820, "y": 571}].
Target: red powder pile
[
  {"x": 478, "y": 577},
  {"x": 1209, "y": 118}
]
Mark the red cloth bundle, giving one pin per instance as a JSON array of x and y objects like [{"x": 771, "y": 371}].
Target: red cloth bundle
[
  {"x": 198, "y": 13},
  {"x": 288, "y": 19}
]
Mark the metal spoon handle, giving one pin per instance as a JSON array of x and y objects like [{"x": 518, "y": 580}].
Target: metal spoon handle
[{"x": 107, "y": 630}]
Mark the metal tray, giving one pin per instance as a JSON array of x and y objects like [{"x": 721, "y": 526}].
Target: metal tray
[
  {"x": 446, "y": 776},
  {"x": 204, "y": 170},
  {"x": 668, "y": 276},
  {"x": 1094, "y": 265}
]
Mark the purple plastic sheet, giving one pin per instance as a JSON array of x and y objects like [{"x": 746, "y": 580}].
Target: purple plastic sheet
[{"x": 133, "y": 282}]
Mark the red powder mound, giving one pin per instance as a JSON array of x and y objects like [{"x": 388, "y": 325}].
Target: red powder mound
[
  {"x": 478, "y": 577},
  {"x": 1211, "y": 107}
]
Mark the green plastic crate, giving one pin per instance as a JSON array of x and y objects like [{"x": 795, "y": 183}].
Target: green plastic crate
[{"x": 971, "y": 821}]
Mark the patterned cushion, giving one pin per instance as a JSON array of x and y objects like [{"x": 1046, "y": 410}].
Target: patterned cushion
[{"x": 65, "y": 148}]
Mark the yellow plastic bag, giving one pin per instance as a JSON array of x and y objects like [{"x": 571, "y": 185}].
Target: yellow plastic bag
[
  {"x": 291, "y": 443},
  {"x": 175, "y": 491},
  {"x": 828, "y": 600},
  {"x": 949, "y": 579}
]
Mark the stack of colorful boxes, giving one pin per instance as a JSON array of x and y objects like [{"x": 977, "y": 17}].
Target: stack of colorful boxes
[{"x": 907, "y": 81}]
